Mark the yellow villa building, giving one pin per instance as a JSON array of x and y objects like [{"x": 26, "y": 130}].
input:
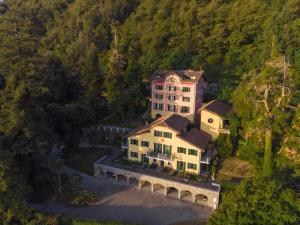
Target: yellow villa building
[
  {"x": 168, "y": 142},
  {"x": 213, "y": 118}
]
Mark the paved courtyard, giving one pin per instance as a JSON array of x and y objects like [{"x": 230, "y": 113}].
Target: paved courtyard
[{"x": 119, "y": 202}]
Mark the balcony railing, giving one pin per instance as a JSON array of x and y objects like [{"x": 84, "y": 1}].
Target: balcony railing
[
  {"x": 225, "y": 129},
  {"x": 124, "y": 146},
  {"x": 207, "y": 157},
  {"x": 159, "y": 156}
]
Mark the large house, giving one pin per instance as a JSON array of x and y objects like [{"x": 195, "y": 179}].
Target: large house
[
  {"x": 168, "y": 142},
  {"x": 177, "y": 91},
  {"x": 213, "y": 118}
]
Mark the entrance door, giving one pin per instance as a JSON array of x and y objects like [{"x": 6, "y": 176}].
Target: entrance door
[
  {"x": 180, "y": 165},
  {"x": 143, "y": 158},
  {"x": 162, "y": 163}
]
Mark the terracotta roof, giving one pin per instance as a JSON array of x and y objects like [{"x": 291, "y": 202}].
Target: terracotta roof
[
  {"x": 198, "y": 138},
  {"x": 173, "y": 121},
  {"x": 139, "y": 130},
  {"x": 218, "y": 107},
  {"x": 185, "y": 75}
]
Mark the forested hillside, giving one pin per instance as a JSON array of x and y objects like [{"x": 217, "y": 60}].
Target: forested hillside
[{"x": 68, "y": 64}]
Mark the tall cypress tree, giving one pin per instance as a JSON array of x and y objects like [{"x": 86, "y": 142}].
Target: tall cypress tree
[{"x": 268, "y": 157}]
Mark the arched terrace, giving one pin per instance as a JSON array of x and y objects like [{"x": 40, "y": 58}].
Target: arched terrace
[
  {"x": 145, "y": 185},
  {"x": 186, "y": 196},
  {"x": 122, "y": 179},
  {"x": 100, "y": 172},
  {"x": 110, "y": 175},
  {"x": 158, "y": 188},
  {"x": 133, "y": 181},
  {"x": 201, "y": 199},
  {"x": 172, "y": 192}
]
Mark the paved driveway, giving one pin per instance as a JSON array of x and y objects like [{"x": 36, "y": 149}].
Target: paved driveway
[{"x": 118, "y": 202}]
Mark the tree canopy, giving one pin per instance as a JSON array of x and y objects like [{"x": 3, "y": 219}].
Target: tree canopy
[{"x": 68, "y": 64}]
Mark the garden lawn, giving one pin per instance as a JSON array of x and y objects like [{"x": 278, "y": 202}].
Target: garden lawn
[
  {"x": 233, "y": 170},
  {"x": 84, "y": 159}
]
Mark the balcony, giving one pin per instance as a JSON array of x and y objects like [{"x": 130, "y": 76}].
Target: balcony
[
  {"x": 124, "y": 146},
  {"x": 205, "y": 159},
  {"x": 225, "y": 129},
  {"x": 159, "y": 156}
]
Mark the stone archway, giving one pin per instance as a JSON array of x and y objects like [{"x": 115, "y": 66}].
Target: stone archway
[
  {"x": 133, "y": 181},
  {"x": 145, "y": 185},
  {"x": 158, "y": 188},
  {"x": 99, "y": 172},
  {"x": 201, "y": 199},
  {"x": 110, "y": 175},
  {"x": 172, "y": 192},
  {"x": 122, "y": 178},
  {"x": 186, "y": 196}
]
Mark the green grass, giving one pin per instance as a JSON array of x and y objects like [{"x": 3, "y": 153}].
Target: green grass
[{"x": 84, "y": 159}]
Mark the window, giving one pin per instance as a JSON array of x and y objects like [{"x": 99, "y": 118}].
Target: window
[
  {"x": 185, "y": 109},
  {"x": 133, "y": 141},
  {"x": 167, "y": 135},
  {"x": 180, "y": 165},
  {"x": 193, "y": 152},
  {"x": 171, "y": 97},
  {"x": 157, "y": 133},
  {"x": 171, "y": 108},
  {"x": 167, "y": 149},
  {"x": 181, "y": 150},
  {"x": 145, "y": 143},
  {"x": 186, "y": 99},
  {"x": 158, "y": 106},
  {"x": 186, "y": 89},
  {"x": 134, "y": 154},
  {"x": 159, "y": 87},
  {"x": 158, "y": 96},
  {"x": 226, "y": 122},
  {"x": 192, "y": 166},
  {"x": 210, "y": 120},
  {"x": 157, "y": 147},
  {"x": 172, "y": 88}
]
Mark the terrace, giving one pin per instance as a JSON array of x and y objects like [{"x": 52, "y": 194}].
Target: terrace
[
  {"x": 159, "y": 172},
  {"x": 165, "y": 180}
]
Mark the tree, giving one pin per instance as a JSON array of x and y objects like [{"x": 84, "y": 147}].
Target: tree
[
  {"x": 268, "y": 158},
  {"x": 258, "y": 201},
  {"x": 265, "y": 102},
  {"x": 116, "y": 91},
  {"x": 12, "y": 188},
  {"x": 224, "y": 146}
]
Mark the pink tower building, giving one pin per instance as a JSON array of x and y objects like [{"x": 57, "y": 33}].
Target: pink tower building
[{"x": 177, "y": 91}]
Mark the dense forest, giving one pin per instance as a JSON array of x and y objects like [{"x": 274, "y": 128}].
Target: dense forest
[{"x": 69, "y": 64}]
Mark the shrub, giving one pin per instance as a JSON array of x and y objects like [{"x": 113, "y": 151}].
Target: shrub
[
  {"x": 223, "y": 145},
  {"x": 84, "y": 198},
  {"x": 214, "y": 167}
]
